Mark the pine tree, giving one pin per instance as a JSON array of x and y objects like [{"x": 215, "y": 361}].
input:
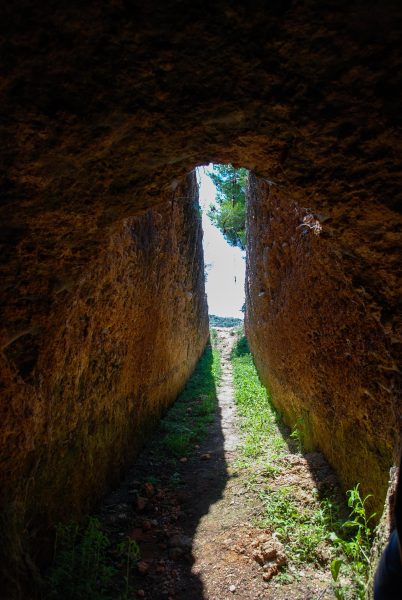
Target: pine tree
[{"x": 229, "y": 213}]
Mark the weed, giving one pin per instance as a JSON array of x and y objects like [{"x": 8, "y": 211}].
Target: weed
[
  {"x": 301, "y": 530},
  {"x": 271, "y": 470},
  {"x": 297, "y": 434},
  {"x": 153, "y": 479},
  {"x": 131, "y": 551},
  {"x": 179, "y": 444},
  {"x": 176, "y": 480},
  {"x": 284, "y": 577},
  {"x": 81, "y": 567},
  {"x": 355, "y": 547}
]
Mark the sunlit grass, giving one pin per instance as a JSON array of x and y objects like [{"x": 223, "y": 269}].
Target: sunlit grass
[
  {"x": 186, "y": 423},
  {"x": 261, "y": 437},
  {"x": 302, "y": 529}
]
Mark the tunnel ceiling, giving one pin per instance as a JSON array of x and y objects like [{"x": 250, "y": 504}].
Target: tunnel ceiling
[{"x": 105, "y": 104}]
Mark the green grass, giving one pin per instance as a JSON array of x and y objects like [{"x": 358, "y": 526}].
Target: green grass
[
  {"x": 261, "y": 436},
  {"x": 186, "y": 423},
  {"x": 313, "y": 531},
  {"x": 300, "y": 529}
]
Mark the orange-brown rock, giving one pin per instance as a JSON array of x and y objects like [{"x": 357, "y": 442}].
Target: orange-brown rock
[
  {"x": 320, "y": 331},
  {"x": 81, "y": 393}
]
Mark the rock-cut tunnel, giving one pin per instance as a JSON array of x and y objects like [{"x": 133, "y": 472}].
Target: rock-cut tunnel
[{"x": 107, "y": 108}]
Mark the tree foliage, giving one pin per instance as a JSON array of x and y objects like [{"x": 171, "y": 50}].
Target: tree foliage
[{"x": 229, "y": 212}]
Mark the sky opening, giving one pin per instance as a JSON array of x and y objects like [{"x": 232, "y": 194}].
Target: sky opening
[{"x": 224, "y": 264}]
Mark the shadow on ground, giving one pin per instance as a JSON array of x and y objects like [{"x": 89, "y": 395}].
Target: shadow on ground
[{"x": 165, "y": 495}]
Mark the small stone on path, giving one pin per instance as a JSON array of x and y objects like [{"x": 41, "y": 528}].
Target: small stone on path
[
  {"x": 149, "y": 489},
  {"x": 143, "y": 567},
  {"x": 141, "y": 503}
]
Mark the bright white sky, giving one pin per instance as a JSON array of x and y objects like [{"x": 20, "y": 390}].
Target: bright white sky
[{"x": 224, "y": 265}]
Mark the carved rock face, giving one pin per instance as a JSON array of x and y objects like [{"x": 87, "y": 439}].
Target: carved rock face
[
  {"x": 317, "y": 340},
  {"x": 108, "y": 105},
  {"x": 82, "y": 391}
]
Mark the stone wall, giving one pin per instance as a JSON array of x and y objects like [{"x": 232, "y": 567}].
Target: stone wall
[
  {"x": 81, "y": 392},
  {"x": 317, "y": 329}
]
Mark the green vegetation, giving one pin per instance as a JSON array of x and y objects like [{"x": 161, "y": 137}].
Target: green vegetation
[
  {"x": 187, "y": 421},
  {"x": 312, "y": 530},
  {"x": 262, "y": 437},
  {"x": 216, "y": 321},
  {"x": 131, "y": 551},
  {"x": 355, "y": 547},
  {"x": 229, "y": 213},
  {"x": 81, "y": 565},
  {"x": 300, "y": 529}
]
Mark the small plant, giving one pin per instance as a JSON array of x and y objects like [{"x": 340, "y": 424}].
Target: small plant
[
  {"x": 358, "y": 520},
  {"x": 81, "y": 566},
  {"x": 176, "y": 479},
  {"x": 297, "y": 433},
  {"x": 271, "y": 470},
  {"x": 131, "y": 552},
  {"x": 179, "y": 444},
  {"x": 153, "y": 479},
  {"x": 356, "y": 547},
  {"x": 284, "y": 577}
]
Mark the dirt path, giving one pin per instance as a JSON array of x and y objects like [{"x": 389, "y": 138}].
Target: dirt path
[
  {"x": 193, "y": 519},
  {"x": 220, "y": 563}
]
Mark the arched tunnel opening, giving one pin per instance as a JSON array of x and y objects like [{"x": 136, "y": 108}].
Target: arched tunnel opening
[{"x": 107, "y": 111}]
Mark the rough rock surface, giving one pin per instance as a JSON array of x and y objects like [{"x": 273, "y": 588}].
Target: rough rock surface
[
  {"x": 109, "y": 358},
  {"x": 383, "y": 531},
  {"x": 318, "y": 333},
  {"x": 105, "y": 104}
]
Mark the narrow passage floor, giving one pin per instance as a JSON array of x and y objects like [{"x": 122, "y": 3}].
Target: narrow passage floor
[{"x": 198, "y": 519}]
